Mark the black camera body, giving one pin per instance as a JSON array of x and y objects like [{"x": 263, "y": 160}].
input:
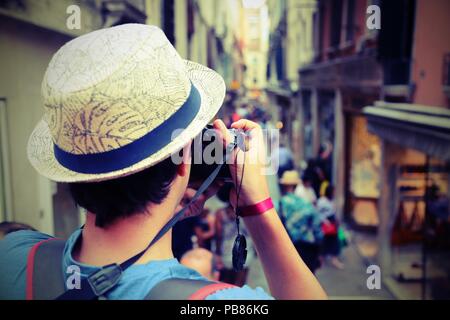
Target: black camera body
[{"x": 208, "y": 152}]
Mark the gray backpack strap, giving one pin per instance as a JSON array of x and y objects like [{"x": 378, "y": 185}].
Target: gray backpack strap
[
  {"x": 185, "y": 289},
  {"x": 45, "y": 278}
]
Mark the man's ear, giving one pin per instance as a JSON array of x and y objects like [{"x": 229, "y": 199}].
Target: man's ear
[{"x": 182, "y": 169}]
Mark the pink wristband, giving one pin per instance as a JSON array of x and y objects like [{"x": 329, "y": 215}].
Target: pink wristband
[{"x": 256, "y": 209}]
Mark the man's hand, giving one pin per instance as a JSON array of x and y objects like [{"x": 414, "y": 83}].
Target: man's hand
[
  {"x": 251, "y": 162},
  {"x": 286, "y": 273}
]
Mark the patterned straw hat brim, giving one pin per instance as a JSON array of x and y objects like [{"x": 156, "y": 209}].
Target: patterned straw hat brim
[{"x": 212, "y": 92}]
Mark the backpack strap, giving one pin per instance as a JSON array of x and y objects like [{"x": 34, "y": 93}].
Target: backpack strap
[
  {"x": 185, "y": 289},
  {"x": 45, "y": 278}
]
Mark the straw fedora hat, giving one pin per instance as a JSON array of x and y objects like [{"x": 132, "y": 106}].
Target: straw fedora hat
[
  {"x": 117, "y": 101},
  {"x": 290, "y": 177}
]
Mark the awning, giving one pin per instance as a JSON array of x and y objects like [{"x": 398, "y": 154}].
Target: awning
[
  {"x": 355, "y": 72},
  {"x": 280, "y": 91},
  {"x": 419, "y": 127}
]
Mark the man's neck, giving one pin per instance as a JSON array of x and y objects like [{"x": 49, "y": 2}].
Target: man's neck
[{"x": 122, "y": 240}]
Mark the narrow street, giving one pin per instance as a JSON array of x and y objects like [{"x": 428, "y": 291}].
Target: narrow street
[
  {"x": 338, "y": 114},
  {"x": 348, "y": 283}
]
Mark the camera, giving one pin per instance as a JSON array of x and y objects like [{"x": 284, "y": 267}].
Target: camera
[{"x": 207, "y": 153}]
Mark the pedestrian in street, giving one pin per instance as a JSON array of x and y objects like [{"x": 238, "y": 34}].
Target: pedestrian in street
[
  {"x": 327, "y": 210},
  {"x": 305, "y": 190},
  {"x": 301, "y": 220},
  {"x": 325, "y": 160},
  {"x": 314, "y": 173},
  {"x": 205, "y": 229}
]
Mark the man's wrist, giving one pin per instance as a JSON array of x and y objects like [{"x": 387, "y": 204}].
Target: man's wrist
[{"x": 256, "y": 209}]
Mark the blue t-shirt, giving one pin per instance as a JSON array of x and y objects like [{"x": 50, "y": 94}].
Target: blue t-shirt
[{"x": 135, "y": 283}]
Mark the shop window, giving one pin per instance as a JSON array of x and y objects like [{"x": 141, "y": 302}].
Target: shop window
[
  {"x": 420, "y": 235},
  {"x": 365, "y": 158}
]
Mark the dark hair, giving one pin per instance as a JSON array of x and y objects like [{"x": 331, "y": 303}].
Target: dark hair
[
  {"x": 306, "y": 177},
  {"x": 119, "y": 198},
  {"x": 329, "y": 192},
  {"x": 322, "y": 149}
]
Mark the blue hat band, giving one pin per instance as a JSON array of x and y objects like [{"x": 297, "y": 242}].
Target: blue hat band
[{"x": 138, "y": 150}]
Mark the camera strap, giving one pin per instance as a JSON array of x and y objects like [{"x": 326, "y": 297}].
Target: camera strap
[
  {"x": 239, "y": 253},
  {"x": 97, "y": 284}
]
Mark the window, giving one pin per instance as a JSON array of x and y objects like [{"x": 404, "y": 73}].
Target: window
[
  {"x": 350, "y": 21},
  {"x": 446, "y": 80},
  {"x": 396, "y": 39},
  {"x": 336, "y": 23}
]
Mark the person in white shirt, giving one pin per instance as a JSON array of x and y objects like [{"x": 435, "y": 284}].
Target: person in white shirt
[{"x": 305, "y": 191}]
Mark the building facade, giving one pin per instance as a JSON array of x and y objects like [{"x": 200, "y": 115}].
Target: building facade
[
  {"x": 30, "y": 33},
  {"x": 343, "y": 77},
  {"x": 413, "y": 124},
  {"x": 255, "y": 48},
  {"x": 291, "y": 47},
  {"x": 207, "y": 32},
  {"x": 381, "y": 98}
]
